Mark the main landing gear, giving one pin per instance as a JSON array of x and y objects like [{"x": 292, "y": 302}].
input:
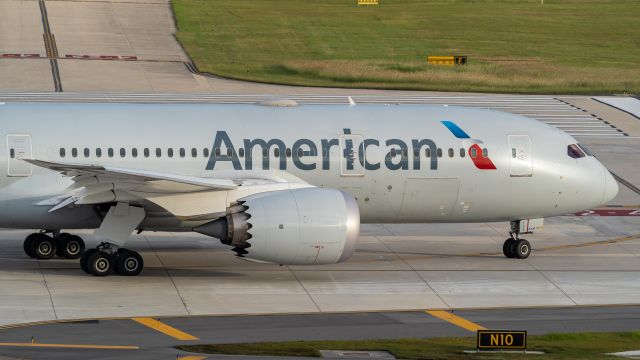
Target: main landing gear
[
  {"x": 106, "y": 259},
  {"x": 515, "y": 247},
  {"x": 42, "y": 246}
]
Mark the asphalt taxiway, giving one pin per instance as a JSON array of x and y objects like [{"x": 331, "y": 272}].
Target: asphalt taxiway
[{"x": 156, "y": 338}]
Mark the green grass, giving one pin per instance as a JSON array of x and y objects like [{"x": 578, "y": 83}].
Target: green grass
[
  {"x": 556, "y": 346},
  {"x": 563, "y": 46}
]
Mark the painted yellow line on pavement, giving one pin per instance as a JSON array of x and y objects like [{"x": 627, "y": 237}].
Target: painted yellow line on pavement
[
  {"x": 192, "y": 358},
  {"x": 71, "y": 346},
  {"x": 455, "y": 320},
  {"x": 164, "y": 328}
]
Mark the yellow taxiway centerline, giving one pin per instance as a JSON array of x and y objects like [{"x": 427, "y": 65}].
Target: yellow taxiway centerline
[
  {"x": 164, "y": 328},
  {"x": 455, "y": 320},
  {"x": 71, "y": 346}
]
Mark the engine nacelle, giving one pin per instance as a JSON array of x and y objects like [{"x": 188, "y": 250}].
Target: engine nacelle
[{"x": 294, "y": 227}]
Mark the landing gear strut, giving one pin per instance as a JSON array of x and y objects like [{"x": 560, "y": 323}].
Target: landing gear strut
[
  {"x": 107, "y": 258},
  {"x": 515, "y": 247},
  {"x": 42, "y": 246}
]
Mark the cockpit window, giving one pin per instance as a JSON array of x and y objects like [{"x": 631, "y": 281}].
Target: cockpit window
[
  {"x": 585, "y": 149},
  {"x": 574, "y": 151}
]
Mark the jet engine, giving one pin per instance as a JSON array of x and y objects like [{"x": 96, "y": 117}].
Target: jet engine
[{"x": 294, "y": 227}]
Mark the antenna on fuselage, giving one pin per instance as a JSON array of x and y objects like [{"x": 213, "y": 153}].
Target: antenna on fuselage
[{"x": 351, "y": 102}]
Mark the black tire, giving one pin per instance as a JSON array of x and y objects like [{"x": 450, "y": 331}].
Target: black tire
[
  {"x": 70, "y": 246},
  {"x": 84, "y": 260},
  {"x": 507, "y": 248},
  {"x": 27, "y": 245},
  {"x": 522, "y": 249},
  {"x": 100, "y": 263},
  {"x": 129, "y": 263},
  {"x": 44, "y": 247}
]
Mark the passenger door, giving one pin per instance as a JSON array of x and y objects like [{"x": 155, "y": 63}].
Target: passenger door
[
  {"x": 350, "y": 152},
  {"x": 521, "y": 157},
  {"x": 18, "y": 147}
]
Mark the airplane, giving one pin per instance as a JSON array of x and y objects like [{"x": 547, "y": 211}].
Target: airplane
[{"x": 279, "y": 182}]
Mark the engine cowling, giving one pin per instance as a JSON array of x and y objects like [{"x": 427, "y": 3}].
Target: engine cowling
[{"x": 294, "y": 227}]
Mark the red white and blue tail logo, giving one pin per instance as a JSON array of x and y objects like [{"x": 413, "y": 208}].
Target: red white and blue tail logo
[{"x": 474, "y": 150}]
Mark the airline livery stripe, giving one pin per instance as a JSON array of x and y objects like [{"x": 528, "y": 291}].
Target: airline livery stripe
[
  {"x": 455, "y": 320},
  {"x": 455, "y": 130},
  {"x": 164, "y": 328}
]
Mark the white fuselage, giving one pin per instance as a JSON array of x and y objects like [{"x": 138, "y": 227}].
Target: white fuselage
[{"x": 377, "y": 153}]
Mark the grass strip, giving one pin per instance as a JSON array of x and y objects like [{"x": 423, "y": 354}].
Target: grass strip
[{"x": 556, "y": 346}]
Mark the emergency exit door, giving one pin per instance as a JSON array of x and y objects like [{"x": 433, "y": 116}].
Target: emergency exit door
[
  {"x": 521, "y": 157},
  {"x": 18, "y": 148}
]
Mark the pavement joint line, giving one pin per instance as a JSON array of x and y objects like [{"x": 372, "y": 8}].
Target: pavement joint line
[
  {"x": 191, "y": 357},
  {"x": 166, "y": 270},
  {"x": 164, "y": 328},
  {"x": 70, "y": 346},
  {"x": 455, "y": 320}
]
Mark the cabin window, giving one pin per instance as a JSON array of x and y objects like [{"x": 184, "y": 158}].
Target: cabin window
[
  {"x": 229, "y": 152},
  {"x": 123, "y": 152},
  {"x": 110, "y": 152},
  {"x": 405, "y": 153},
  {"x": 474, "y": 153},
  {"x": 205, "y": 152},
  {"x": 217, "y": 152},
  {"x": 485, "y": 152},
  {"x": 86, "y": 152},
  {"x": 98, "y": 152},
  {"x": 276, "y": 152},
  {"x": 265, "y": 153},
  {"x": 170, "y": 152},
  {"x": 300, "y": 152},
  {"x": 158, "y": 152},
  {"x": 134, "y": 152},
  {"x": 146, "y": 152},
  {"x": 513, "y": 153},
  {"x": 462, "y": 152},
  {"x": 182, "y": 152},
  {"x": 62, "y": 152},
  {"x": 194, "y": 152},
  {"x": 288, "y": 152},
  {"x": 393, "y": 152},
  {"x": 74, "y": 152},
  {"x": 12, "y": 153},
  {"x": 427, "y": 152},
  {"x": 439, "y": 152},
  {"x": 241, "y": 152},
  {"x": 450, "y": 152}
]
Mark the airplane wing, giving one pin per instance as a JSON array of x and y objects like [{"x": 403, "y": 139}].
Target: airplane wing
[{"x": 184, "y": 196}]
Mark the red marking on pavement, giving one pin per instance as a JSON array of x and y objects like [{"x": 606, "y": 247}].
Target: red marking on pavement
[
  {"x": 102, "y": 57},
  {"x": 610, "y": 212},
  {"x": 20, "y": 56}
]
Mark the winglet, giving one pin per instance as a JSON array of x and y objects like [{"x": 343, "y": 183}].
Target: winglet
[{"x": 351, "y": 102}]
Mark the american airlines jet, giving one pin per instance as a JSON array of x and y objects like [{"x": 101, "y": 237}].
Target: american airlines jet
[{"x": 278, "y": 184}]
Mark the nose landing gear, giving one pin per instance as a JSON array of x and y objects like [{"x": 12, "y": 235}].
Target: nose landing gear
[{"x": 515, "y": 247}]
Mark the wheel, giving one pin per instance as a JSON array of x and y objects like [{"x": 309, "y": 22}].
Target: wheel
[
  {"x": 84, "y": 260},
  {"x": 100, "y": 263},
  {"x": 129, "y": 263},
  {"x": 27, "y": 245},
  {"x": 70, "y": 246},
  {"x": 522, "y": 249},
  {"x": 507, "y": 248},
  {"x": 44, "y": 247}
]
